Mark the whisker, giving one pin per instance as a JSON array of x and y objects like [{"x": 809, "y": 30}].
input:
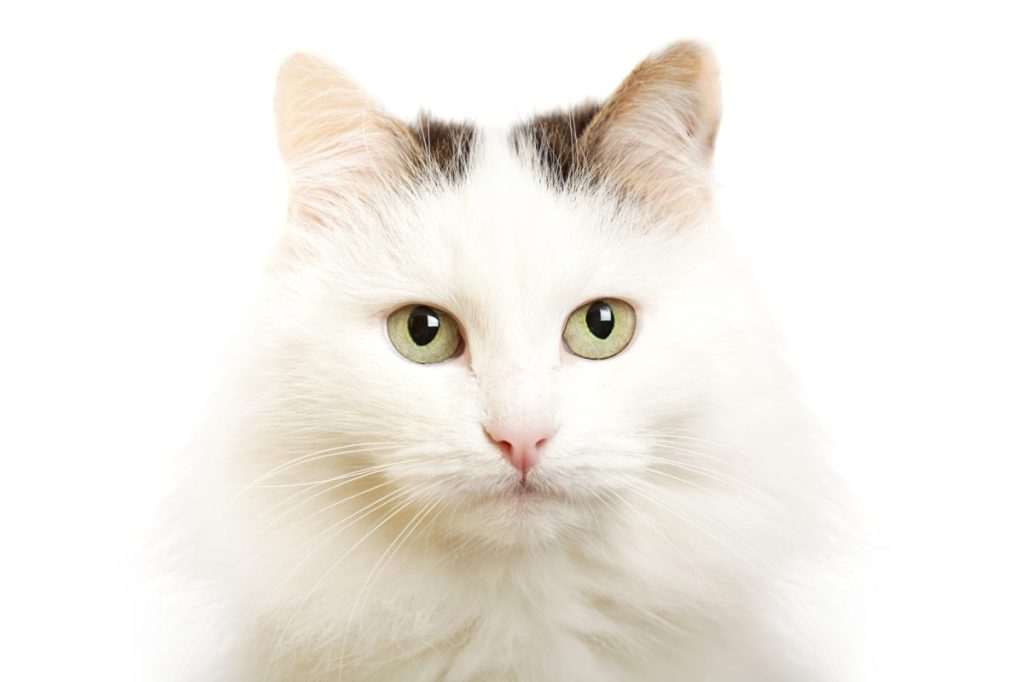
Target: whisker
[
  {"x": 352, "y": 477},
  {"x": 381, "y": 565},
  {"x": 665, "y": 537},
  {"x": 675, "y": 512},
  {"x": 321, "y": 510},
  {"x": 337, "y": 527},
  {"x": 673, "y": 443},
  {"x": 705, "y": 441},
  {"x": 699, "y": 509},
  {"x": 731, "y": 481},
  {"x": 409, "y": 499},
  {"x": 337, "y": 451}
]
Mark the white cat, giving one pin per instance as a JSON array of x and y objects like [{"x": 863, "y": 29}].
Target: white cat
[{"x": 511, "y": 410}]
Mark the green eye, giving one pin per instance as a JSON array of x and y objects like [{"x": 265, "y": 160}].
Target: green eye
[
  {"x": 600, "y": 329},
  {"x": 423, "y": 334}
]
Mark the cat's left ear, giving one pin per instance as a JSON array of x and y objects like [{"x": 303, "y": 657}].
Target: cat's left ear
[
  {"x": 337, "y": 142},
  {"x": 656, "y": 134}
]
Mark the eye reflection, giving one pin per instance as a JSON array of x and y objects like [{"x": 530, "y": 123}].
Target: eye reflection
[
  {"x": 600, "y": 319},
  {"x": 423, "y": 325}
]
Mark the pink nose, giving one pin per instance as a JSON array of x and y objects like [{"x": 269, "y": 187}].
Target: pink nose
[{"x": 521, "y": 446}]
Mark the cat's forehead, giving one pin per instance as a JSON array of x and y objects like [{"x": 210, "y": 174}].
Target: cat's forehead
[
  {"x": 499, "y": 235},
  {"x": 491, "y": 232},
  {"x": 502, "y": 211}
]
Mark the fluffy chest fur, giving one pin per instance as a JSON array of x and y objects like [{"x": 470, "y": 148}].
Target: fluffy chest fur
[{"x": 593, "y": 610}]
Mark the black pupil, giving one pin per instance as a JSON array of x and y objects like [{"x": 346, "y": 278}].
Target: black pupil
[
  {"x": 600, "y": 320},
  {"x": 423, "y": 325}
]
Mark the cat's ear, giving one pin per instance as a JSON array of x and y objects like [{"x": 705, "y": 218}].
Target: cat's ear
[
  {"x": 656, "y": 133},
  {"x": 336, "y": 141}
]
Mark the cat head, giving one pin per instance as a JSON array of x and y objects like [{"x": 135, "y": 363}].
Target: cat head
[{"x": 498, "y": 331}]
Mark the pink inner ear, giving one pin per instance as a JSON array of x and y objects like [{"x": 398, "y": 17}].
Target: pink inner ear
[{"x": 521, "y": 443}]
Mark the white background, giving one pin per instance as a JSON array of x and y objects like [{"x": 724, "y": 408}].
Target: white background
[{"x": 870, "y": 163}]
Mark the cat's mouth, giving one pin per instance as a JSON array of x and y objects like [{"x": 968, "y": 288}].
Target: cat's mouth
[
  {"x": 529, "y": 490},
  {"x": 526, "y": 488}
]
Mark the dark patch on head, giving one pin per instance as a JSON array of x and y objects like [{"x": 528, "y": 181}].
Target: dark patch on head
[
  {"x": 445, "y": 146},
  {"x": 555, "y": 140}
]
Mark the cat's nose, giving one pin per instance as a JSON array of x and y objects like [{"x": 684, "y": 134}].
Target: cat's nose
[{"x": 521, "y": 445}]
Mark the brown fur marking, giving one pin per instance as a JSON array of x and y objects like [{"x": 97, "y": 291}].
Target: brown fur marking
[
  {"x": 444, "y": 146},
  {"x": 555, "y": 137},
  {"x": 666, "y": 111}
]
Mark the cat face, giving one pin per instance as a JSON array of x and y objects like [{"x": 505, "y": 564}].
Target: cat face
[{"x": 497, "y": 332}]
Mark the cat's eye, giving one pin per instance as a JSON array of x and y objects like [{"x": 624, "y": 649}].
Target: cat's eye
[
  {"x": 600, "y": 329},
  {"x": 423, "y": 334}
]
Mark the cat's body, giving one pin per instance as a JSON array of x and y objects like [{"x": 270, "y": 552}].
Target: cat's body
[{"x": 355, "y": 517}]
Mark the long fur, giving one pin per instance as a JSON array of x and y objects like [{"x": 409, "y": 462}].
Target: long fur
[{"x": 347, "y": 517}]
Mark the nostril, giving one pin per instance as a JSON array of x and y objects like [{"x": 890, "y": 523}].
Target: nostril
[{"x": 520, "y": 447}]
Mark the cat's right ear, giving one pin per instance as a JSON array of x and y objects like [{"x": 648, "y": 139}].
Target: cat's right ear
[{"x": 337, "y": 142}]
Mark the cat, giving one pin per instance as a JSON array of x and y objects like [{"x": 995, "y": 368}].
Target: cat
[{"x": 511, "y": 409}]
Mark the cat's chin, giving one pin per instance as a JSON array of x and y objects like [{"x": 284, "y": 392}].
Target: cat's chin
[
  {"x": 522, "y": 498},
  {"x": 518, "y": 522},
  {"x": 517, "y": 514}
]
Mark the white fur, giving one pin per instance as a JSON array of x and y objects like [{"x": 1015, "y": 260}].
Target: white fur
[{"x": 632, "y": 569}]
